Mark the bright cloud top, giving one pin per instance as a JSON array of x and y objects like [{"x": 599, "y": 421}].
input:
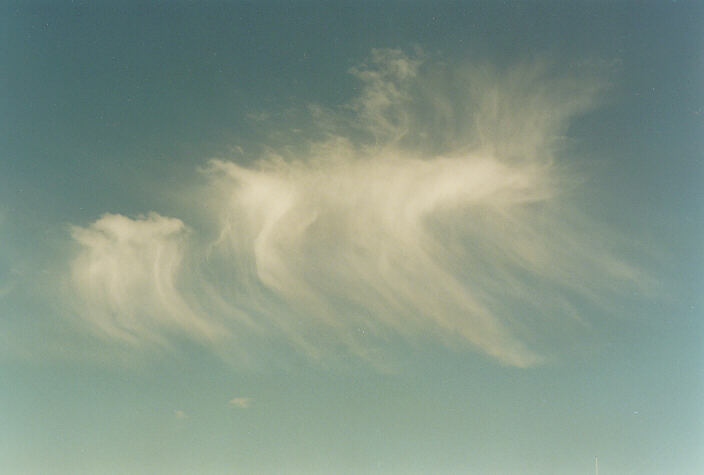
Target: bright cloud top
[{"x": 433, "y": 207}]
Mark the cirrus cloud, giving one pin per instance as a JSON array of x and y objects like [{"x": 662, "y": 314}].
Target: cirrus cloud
[
  {"x": 125, "y": 277},
  {"x": 435, "y": 205}
]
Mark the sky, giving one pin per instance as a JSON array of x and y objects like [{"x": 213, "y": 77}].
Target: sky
[{"x": 352, "y": 237}]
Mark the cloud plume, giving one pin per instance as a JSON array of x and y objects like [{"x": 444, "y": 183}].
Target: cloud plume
[{"x": 435, "y": 206}]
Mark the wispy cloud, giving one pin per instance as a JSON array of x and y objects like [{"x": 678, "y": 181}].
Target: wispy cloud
[
  {"x": 125, "y": 277},
  {"x": 435, "y": 206}
]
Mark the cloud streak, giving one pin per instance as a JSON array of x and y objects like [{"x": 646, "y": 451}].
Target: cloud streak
[{"x": 434, "y": 206}]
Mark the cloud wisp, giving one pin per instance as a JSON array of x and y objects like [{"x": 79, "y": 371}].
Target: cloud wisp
[
  {"x": 125, "y": 279},
  {"x": 434, "y": 206}
]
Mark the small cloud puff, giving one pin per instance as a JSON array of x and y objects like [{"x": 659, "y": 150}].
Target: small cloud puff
[{"x": 241, "y": 402}]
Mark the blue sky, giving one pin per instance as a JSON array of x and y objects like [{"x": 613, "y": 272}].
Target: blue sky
[{"x": 459, "y": 237}]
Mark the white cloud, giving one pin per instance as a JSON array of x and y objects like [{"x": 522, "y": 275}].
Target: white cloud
[
  {"x": 350, "y": 243},
  {"x": 125, "y": 275},
  {"x": 435, "y": 207},
  {"x": 241, "y": 402}
]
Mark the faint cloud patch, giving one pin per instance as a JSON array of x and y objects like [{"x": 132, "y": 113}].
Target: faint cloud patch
[{"x": 241, "y": 402}]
